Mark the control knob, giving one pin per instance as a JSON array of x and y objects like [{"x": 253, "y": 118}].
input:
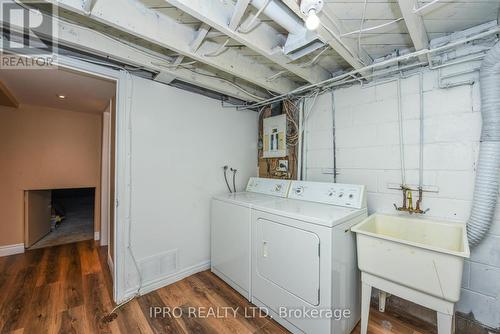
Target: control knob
[{"x": 299, "y": 190}]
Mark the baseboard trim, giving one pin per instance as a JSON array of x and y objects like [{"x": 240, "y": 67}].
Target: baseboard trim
[
  {"x": 11, "y": 249},
  {"x": 170, "y": 279},
  {"x": 97, "y": 236}
]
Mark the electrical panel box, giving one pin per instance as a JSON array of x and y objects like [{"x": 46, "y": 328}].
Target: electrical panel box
[{"x": 275, "y": 137}]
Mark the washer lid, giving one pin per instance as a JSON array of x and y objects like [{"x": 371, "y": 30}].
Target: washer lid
[
  {"x": 316, "y": 213},
  {"x": 244, "y": 198}
]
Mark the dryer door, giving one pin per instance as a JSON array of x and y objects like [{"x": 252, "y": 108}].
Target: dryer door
[{"x": 288, "y": 257}]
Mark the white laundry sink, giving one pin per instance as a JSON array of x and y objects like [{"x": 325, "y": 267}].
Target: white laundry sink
[{"x": 421, "y": 254}]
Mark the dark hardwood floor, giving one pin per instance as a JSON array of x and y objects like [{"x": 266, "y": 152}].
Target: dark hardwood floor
[{"x": 68, "y": 289}]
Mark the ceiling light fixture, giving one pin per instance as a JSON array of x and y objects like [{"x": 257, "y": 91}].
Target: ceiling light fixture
[
  {"x": 62, "y": 97},
  {"x": 311, "y": 8}
]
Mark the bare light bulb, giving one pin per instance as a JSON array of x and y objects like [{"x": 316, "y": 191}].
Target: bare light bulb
[{"x": 312, "y": 21}]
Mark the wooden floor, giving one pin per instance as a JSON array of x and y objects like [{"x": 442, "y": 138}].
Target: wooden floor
[{"x": 68, "y": 289}]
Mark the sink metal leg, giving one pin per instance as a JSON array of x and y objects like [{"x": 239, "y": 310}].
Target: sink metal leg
[
  {"x": 382, "y": 297},
  {"x": 445, "y": 323},
  {"x": 366, "y": 294}
]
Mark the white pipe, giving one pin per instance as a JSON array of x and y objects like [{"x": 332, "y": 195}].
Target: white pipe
[
  {"x": 334, "y": 138},
  {"x": 419, "y": 9},
  {"x": 401, "y": 135},
  {"x": 300, "y": 148},
  {"x": 329, "y": 82},
  {"x": 280, "y": 14},
  {"x": 421, "y": 139},
  {"x": 488, "y": 165}
]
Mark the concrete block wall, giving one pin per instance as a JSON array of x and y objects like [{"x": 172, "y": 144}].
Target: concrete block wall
[{"x": 367, "y": 152}]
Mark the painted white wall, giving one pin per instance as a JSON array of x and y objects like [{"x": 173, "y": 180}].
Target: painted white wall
[
  {"x": 368, "y": 153},
  {"x": 179, "y": 143}
]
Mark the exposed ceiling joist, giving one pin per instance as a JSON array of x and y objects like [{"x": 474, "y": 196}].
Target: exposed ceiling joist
[
  {"x": 6, "y": 97},
  {"x": 88, "y": 5},
  {"x": 329, "y": 33},
  {"x": 262, "y": 39},
  {"x": 167, "y": 32},
  {"x": 201, "y": 34},
  {"x": 239, "y": 10},
  {"x": 93, "y": 42},
  {"x": 415, "y": 25}
]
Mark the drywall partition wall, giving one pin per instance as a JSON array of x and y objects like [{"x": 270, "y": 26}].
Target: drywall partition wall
[
  {"x": 44, "y": 148},
  {"x": 367, "y": 141},
  {"x": 179, "y": 143}
]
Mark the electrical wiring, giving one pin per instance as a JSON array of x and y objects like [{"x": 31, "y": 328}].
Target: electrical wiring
[
  {"x": 372, "y": 28},
  {"x": 315, "y": 59},
  {"x": 427, "y": 5},
  {"x": 291, "y": 112},
  {"x": 343, "y": 78},
  {"x": 308, "y": 113},
  {"x": 112, "y": 315},
  {"x": 228, "y": 82},
  {"x": 217, "y": 51},
  {"x": 361, "y": 26},
  {"x": 339, "y": 40},
  {"x": 251, "y": 25},
  {"x": 173, "y": 66},
  {"x": 168, "y": 62},
  {"x": 276, "y": 75}
]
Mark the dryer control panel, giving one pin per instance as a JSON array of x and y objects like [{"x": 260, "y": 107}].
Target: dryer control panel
[
  {"x": 347, "y": 195},
  {"x": 274, "y": 187}
]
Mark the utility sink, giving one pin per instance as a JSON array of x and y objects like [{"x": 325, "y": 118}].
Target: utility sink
[
  {"x": 417, "y": 259},
  {"x": 422, "y": 254}
]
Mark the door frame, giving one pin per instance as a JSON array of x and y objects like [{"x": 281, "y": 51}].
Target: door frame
[
  {"x": 122, "y": 176},
  {"x": 105, "y": 176}
]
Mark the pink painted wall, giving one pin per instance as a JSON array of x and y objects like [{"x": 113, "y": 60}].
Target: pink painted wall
[{"x": 43, "y": 148}]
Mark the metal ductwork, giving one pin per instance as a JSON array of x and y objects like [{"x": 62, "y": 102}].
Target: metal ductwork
[
  {"x": 300, "y": 41},
  {"x": 488, "y": 166}
]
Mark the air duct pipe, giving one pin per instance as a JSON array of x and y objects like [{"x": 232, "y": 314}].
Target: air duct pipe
[
  {"x": 280, "y": 14},
  {"x": 300, "y": 41},
  {"x": 488, "y": 166}
]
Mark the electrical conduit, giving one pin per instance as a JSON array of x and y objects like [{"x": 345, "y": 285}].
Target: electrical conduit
[{"x": 488, "y": 166}]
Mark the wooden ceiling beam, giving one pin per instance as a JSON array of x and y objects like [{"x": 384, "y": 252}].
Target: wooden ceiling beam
[
  {"x": 329, "y": 33},
  {"x": 133, "y": 17},
  {"x": 262, "y": 39},
  {"x": 415, "y": 25},
  {"x": 96, "y": 43}
]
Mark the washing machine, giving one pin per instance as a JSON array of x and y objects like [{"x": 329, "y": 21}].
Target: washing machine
[
  {"x": 230, "y": 230},
  {"x": 304, "y": 268}
]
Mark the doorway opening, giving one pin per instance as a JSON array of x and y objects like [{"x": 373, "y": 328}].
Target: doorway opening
[
  {"x": 71, "y": 217},
  {"x": 57, "y": 134}
]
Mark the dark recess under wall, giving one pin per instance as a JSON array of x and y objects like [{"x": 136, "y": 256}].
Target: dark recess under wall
[{"x": 72, "y": 217}]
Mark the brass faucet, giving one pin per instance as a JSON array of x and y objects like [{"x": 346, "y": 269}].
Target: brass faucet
[{"x": 408, "y": 201}]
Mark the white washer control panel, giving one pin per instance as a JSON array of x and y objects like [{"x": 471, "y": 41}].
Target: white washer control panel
[
  {"x": 275, "y": 187},
  {"x": 348, "y": 195}
]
